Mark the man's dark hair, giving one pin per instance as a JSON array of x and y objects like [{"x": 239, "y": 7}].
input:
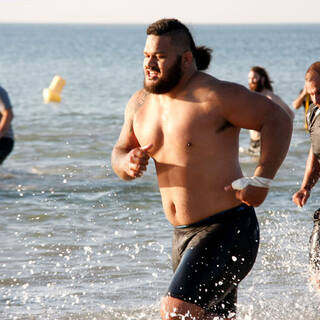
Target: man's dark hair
[
  {"x": 181, "y": 36},
  {"x": 263, "y": 74},
  {"x": 314, "y": 68}
]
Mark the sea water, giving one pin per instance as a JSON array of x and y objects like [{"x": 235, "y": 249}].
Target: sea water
[{"x": 76, "y": 242}]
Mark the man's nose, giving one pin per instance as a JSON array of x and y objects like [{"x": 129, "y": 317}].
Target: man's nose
[{"x": 151, "y": 62}]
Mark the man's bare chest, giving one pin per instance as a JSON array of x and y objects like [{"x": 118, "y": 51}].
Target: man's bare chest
[{"x": 180, "y": 129}]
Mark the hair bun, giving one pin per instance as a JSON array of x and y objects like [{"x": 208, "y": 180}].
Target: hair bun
[{"x": 203, "y": 57}]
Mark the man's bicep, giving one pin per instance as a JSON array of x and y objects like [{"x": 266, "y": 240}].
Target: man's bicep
[
  {"x": 246, "y": 109},
  {"x": 127, "y": 139}
]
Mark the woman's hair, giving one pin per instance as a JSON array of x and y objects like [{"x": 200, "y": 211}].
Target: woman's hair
[{"x": 181, "y": 36}]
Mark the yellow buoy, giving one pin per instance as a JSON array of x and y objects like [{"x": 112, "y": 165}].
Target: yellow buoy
[{"x": 52, "y": 94}]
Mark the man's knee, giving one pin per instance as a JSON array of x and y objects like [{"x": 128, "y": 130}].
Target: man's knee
[{"x": 176, "y": 309}]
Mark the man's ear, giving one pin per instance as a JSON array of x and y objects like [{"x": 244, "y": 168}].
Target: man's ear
[{"x": 187, "y": 58}]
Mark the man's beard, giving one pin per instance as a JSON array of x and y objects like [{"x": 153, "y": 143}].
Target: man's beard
[
  {"x": 257, "y": 87},
  {"x": 169, "y": 82}
]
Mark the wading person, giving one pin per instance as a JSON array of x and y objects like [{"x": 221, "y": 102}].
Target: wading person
[
  {"x": 6, "y": 132},
  {"x": 189, "y": 122},
  {"x": 259, "y": 81},
  {"x": 312, "y": 170}
]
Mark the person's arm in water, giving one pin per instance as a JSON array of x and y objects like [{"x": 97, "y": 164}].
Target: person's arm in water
[
  {"x": 297, "y": 103},
  {"x": 271, "y": 121},
  {"x": 311, "y": 177},
  {"x": 129, "y": 160},
  {"x": 6, "y": 118}
]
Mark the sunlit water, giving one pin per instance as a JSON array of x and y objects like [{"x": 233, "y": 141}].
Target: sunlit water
[{"x": 78, "y": 243}]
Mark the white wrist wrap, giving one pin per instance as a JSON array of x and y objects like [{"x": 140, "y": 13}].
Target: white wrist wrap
[{"x": 243, "y": 182}]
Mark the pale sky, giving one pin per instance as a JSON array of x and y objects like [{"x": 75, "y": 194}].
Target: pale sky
[{"x": 147, "y": 11}]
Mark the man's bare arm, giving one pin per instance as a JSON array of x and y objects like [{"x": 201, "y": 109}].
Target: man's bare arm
[
  {"x": 254, "y": 111},
  {"x": 311, "y": 177},
  {"x": 128, "y": 159},
  {"x": 312, "y": 171}
]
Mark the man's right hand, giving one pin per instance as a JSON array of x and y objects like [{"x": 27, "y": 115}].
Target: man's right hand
[
  {"x": 137, "y": 161},
  {"x": 300, "y": 197}
]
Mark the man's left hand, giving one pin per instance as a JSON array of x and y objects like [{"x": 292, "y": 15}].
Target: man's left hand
[{"x": 250, "y": 195}]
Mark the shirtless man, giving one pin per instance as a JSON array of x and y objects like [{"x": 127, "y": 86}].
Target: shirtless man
[
  {"x": 312, "y": 170},
  {"x": 189, "y": 123},
  {"x": 259, "y": 81}
]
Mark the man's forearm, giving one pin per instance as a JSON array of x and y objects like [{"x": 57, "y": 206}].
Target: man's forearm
[
  {"x": 310, "y": 181},
  {"x": 312, "y": 172},
  {"x": 117, "y": 162},
  {"x": 275, "y": 141}
]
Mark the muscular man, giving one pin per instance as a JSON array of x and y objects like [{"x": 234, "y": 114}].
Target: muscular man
[
  {"x": 189, "y": 123},
  {"x": 6, "y": 132},
  {"x": 259, "y": 81},
  {"x": 312, "y": 171}
]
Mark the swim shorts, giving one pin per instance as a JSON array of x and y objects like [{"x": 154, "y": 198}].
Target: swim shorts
[
  {"x": 212, "y": 256},
  {"x": 6, "y": 146}
]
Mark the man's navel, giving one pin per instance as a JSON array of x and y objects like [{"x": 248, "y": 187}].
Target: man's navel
[{"x": 173, "y": 208}]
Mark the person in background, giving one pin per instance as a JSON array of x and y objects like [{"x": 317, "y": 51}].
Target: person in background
[
  {"x": 312, "y": 170},
  {"x": 6, "y": 132},
  {"x": 259, "y": 81},
  {"x": 189, "y": 123},
  {"x": 303, "y": 99}
]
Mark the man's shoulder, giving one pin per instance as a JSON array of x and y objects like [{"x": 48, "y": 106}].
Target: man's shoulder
[
  {"x": 202, "y": 79},
  {"x": 271, "y": 95},
  {"x": 223, "y": 90},
  {"x": 138, "y": 99},
  {"x": 213, "y": 84},
  {"x": 139, "y": 96},
  {"x": 219, "y": 94}
]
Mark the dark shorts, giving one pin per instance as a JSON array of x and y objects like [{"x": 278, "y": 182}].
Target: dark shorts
[
  {"x": 6, "y": 146},
  {"x": 314, "y": 253},
  {"x": 212, "y": 256}
]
